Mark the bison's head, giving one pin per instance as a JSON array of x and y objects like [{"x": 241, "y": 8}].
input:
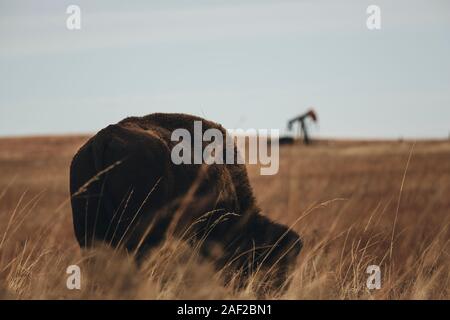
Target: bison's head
[
  {"x": 279, "y": 247},
  {"x": 266, "y": 249}
]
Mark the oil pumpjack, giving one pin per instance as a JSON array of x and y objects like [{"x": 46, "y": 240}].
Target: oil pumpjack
[{"x": 302, "y": 129}]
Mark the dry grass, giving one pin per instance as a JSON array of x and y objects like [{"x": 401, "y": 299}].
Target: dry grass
[{"x": 354, "y": 203}]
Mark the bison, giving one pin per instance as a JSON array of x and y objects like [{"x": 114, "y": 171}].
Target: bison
[{"x": 127, "y": 193}]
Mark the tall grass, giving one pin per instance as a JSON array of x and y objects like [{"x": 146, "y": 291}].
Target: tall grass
[{"x": 354, "y": 204}]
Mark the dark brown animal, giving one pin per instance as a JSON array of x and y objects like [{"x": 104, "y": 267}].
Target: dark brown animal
[{"x": 127, "y": 192}]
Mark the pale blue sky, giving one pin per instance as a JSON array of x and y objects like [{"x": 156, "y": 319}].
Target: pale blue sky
[{"x": 249, "y": 64}]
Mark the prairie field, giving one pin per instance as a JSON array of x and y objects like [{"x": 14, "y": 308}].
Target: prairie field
[{"x": 354, "y": 203}]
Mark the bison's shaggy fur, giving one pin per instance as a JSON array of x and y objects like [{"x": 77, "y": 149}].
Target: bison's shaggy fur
[{"x": 127, "y": 192}]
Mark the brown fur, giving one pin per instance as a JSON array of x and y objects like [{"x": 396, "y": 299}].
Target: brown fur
[{"x": 139, "y": 197}]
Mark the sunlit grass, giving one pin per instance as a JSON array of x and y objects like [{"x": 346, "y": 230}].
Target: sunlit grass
[{"x": 353, "y": 204}]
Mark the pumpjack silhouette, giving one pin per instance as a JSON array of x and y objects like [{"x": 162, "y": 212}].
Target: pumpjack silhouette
[{"x": 302, "y": 129}]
